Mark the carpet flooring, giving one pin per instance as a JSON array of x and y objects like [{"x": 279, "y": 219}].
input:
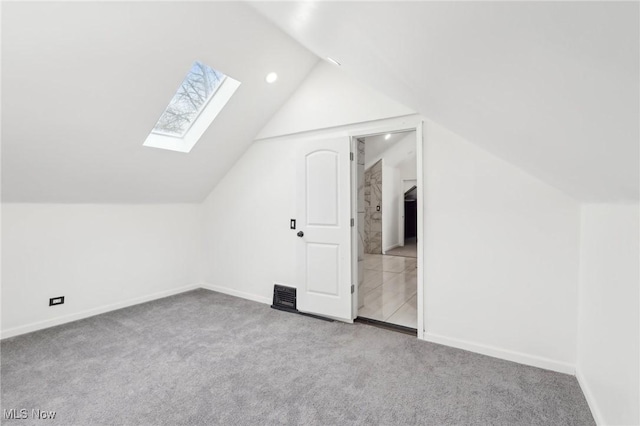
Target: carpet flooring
[{"x": 202, "y": 358}]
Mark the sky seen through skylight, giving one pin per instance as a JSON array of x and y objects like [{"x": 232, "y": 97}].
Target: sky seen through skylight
[{"x": 196, "y": 90}]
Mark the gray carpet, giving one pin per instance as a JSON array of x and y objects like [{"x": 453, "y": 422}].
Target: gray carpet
[{"x": 206, "y": 358}]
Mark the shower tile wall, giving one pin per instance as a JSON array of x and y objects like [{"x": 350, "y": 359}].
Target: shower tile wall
[
  {"x": 361, "y": 209},
  {"x": 373, "y": 209}
]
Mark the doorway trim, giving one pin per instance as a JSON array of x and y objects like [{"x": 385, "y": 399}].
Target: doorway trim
[{"x": 413, "y": 125}]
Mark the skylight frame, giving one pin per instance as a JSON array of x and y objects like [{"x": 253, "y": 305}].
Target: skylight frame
[{"x": 207, "y": 114}]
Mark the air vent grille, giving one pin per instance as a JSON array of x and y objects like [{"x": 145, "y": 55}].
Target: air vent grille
[{"x": 284, "y": 297}]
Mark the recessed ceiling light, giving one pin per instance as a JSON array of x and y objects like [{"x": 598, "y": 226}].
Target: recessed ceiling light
[
  {"x": 271, "y": 77},
  {"x": 386, "y": 138},
  {"x": 333, "y": 61}
]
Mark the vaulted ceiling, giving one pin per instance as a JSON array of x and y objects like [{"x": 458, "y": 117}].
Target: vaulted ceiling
[
  {"x": 398, "y": 148},
  {"x": 551, "y": 87},
  {"x": 84, "y": 83}
]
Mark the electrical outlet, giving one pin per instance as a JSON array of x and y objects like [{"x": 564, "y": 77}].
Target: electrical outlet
[{"x": 56, "y": 301}]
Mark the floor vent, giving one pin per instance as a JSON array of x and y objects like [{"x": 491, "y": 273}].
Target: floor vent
[{"x": 284, "y": 298}]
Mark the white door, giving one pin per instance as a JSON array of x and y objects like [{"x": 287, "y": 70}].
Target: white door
[{"x": 324, "y": 227}]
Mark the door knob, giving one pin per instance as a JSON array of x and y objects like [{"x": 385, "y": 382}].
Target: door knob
[{"x": 300, "y": 234}]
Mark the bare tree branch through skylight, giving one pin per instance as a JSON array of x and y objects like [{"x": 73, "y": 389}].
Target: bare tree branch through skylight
[{"x": 192, "y": 96}]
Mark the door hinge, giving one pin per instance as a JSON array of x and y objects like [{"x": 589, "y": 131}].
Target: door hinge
[
  {"x": 353, "y": 222},
  {"x": 351, "y": 156},
  {"x": 353, "y": 288}
]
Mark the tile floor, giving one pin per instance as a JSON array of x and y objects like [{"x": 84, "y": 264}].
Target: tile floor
[
  {"x": 410, "y": 249},
  {"x": 390, "y": 285}
]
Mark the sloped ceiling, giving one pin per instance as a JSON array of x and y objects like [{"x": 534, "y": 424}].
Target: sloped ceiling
[
  {"x": 327, "y": 98},
  {"x": 84, "y": 83},
  {"x": 400, "y": 145},
  {"x": 551, "y": 87}
]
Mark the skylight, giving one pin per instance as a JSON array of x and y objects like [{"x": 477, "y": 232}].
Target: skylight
[
  {"x": 192, "y": 96},
  {"x": 201, "y": 96}
]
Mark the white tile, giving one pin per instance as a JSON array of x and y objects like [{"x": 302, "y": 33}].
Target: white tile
[
  {"x": 381, "y": 304},
  {"x": 367, "y": 312},
  {"x": 401, "y": 285},
  {"x": 403, "y": 279},
  {"x": 411, "y": 264},
  {"x": 395, "y": 263},
  {"x": 390, "y": 286},
  {"x": 374, "y": 261},
  {"x": 373, "y": 278},
  {"x": 406, "y": 315}
]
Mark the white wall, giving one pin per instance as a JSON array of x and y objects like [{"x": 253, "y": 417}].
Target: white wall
[
  {"x": 392, "y": 196},
  {"x": 330, "y": 98},
  {"x": 248, "y": 243},
  {"x": 501, "y": 256},
  {"x": 501, "y": 250},
  {"x": 100, "y": 257},
  {"x": 608, "y": 330},
  {"x": 408, "y": 169},
  {"x": 398, "y": 162},
  {"x": 396, "y": 154},
  {"x": 407, "y": 184},
  {"x": 501, "y": 247}
]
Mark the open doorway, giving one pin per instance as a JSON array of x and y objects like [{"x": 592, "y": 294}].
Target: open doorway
[
  {"x": 386, "y": 176},
  {"x": 408, "y": 243}
]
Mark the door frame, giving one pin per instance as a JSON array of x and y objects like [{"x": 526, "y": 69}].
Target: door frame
[{"x": 418, "y": 127}]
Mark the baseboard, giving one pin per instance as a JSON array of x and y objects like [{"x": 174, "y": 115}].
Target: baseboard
[
  {"x": 384, "y": 251},
  {"x": 591, "y": 401},
  {"x": 259, "y": 299},
  {"x": 519, "y": 357},
  {"x": 16, "y": 331},
  {"x": 92, "y": 312},
  {"x": 237, "y": 293}
]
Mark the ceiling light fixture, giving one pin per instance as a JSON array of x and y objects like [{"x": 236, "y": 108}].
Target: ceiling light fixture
[
  {"x": 333, "y": 61},
  {"x": 271, "y": 77},
  {"x": 386, "y": 138}
]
